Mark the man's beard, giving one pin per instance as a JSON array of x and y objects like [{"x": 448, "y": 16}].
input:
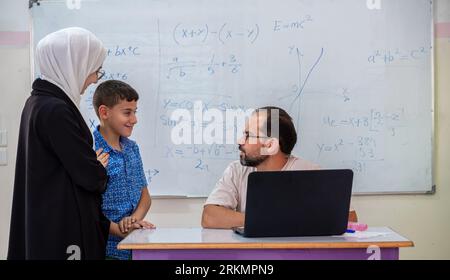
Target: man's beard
[{"x": 251, "y": 161}]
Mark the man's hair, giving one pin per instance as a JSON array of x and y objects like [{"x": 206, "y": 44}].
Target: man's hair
[
  {"x": 287, "y": 135},
  {"x": 111, "y": 92}
]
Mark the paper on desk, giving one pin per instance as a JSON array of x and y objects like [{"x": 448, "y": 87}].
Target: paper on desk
[{"x": 364, "y": 234}]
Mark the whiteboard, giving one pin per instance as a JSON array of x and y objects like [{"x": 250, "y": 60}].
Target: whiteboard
[{"x": 355, "y": 75}]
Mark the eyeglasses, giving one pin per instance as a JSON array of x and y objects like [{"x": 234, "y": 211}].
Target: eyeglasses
[
  {"x": 247, "y": 135},
  {"x": 100, "y": 73}
]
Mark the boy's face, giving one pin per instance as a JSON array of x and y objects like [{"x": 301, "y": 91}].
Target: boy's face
[{"x": 120, "y": 118}]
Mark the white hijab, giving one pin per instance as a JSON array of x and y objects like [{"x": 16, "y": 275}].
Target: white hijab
[{"x": 67, "y": 57}]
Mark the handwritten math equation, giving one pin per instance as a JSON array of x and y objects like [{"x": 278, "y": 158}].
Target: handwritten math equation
[
  {"x": 194, "y": 34},
  {"x": 150, "y": 174},
  {"x": 388, "y": 56},
  {"x": 180, "y": 68},
  {"x": 213, "y": 151},
  {"x": 357, "y": 153},
  {"x": 364, "y": 147},
  {"x": 182, "y": 103},
  {"x": 374, "y": 121},
  {"x": 289, "y": 25},
  {"x": 121, "y": 51}
]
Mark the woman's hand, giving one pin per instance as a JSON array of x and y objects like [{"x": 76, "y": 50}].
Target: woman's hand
[
  {"x": 126, "y": 223},
  {"x": 102, "y": 157}
]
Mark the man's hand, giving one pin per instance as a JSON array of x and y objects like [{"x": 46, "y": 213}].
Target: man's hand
[{"x": 102, "y": 157}]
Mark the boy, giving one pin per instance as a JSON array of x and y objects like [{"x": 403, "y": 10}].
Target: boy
[{"x": 126, "y": 200}]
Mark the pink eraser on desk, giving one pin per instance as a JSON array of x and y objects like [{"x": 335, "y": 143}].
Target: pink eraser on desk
[{"x": 357, "y": 226}]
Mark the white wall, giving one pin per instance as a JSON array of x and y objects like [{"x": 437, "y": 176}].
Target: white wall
[
  {"x": 422, "y": 218},
  {"x": 15, "y": 87}
]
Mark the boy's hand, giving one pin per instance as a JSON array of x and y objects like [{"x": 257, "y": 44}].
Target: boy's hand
[
  {"x": 144, "y": 224},
  {"x": 102, "y": 157},
  {"x": 137, "y": 225},
  {"x": 130, "y": 223}
]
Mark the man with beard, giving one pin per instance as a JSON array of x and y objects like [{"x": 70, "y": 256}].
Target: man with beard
[{"x": 260, "y": 151}]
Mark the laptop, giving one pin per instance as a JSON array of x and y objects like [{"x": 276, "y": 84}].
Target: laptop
[{"x": 297, "y": 203}]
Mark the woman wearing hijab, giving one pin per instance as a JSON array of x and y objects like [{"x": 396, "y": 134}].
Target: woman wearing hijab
[{"x": 56, "y": 212}]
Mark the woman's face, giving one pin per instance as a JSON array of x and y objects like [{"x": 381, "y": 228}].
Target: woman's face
[{"x": 91, "y": 79}]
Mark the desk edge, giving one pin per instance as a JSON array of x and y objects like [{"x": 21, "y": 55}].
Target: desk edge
[{"x": 318, "y": 245}]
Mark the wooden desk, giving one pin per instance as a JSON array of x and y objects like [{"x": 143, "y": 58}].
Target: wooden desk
[{"x": 216, "y": 244}]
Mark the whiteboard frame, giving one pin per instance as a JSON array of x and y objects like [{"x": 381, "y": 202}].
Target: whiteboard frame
[{"x": 433, "y": 189}]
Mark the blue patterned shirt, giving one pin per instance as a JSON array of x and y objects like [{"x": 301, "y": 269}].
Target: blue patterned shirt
[{"x": 125, "y": 184}]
